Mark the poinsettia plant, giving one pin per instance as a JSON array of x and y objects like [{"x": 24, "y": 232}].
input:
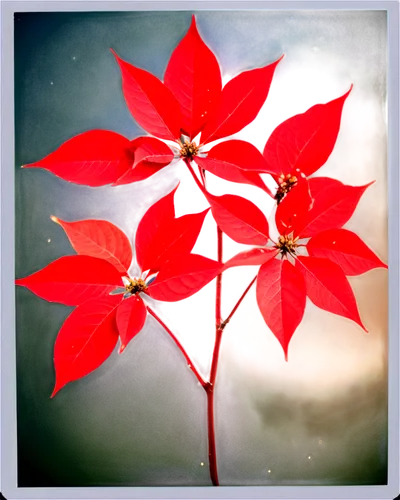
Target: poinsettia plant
[{"x": 311, "y": 256}]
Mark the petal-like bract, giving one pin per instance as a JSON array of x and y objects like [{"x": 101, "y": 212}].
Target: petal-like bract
[
  {"x": 150, "y": 102},
  {"x": 346, "y": 249},
  {"x": 131, "y": 316},
  {"x": 73, "y": 279},
  {"x": 281, "y": 297},
  {"x": 99, "y": 238},
  {"x": 328, "y": 287},
  {"x": 193, "y": 75},
  {"x": 86, "y": 339},
  {"x": 94, "y": 158},
  {"x": 304, "y": 142}
]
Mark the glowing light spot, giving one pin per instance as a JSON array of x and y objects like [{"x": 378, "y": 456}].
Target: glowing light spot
[
  {"x": 202, "y": 464},
  {"x": 269, "y": 471},
  {"x": 48, "y": 241},
  {"x": 309, "y": 457}
]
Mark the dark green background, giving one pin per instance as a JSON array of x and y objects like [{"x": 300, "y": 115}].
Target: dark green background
[{"x": 140, "y": 418}]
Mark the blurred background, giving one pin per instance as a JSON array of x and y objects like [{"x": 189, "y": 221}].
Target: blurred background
[{"x": 140, "y": 419}]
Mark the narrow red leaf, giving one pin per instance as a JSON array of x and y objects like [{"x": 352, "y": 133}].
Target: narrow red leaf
[
  {"x": 86, "y": 339},
  {"x": 94, "y": 158},
  {"x": 241, "y": 100},
  {"x": 131, "y": 316},
  {"x": 240, "y": 219},
  {"x": 73, "y": 279},
  {"x": 150, "y": 156},
  {"x": 346, "y": 249},
  {"x": 99, "y": 238},
  {"x": 293, "y": 208},
  {"x": 328, "y": 287},
  {"x": 150, "y": 102},
  {"x": 281, "y": 297},
  {"x": 232, "y": 173},
  {"x": 333, "y": 205},
  {"x": 183, "y": 276},
  {"x": 160, "y": 236},
  {"x": 193, "y": 75},
  {"x": 253, "y": 257},
  {"x": 304, "y": 142}
]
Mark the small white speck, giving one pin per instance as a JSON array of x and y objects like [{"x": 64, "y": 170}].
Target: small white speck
[
  {"x": 48, "y": 241},
  {"x": 269, "y": 471},
  {"x": 202, "y": 464},
  {"x": 51, "y": 83},
  {"x": 309, "y": 457},
  {"x": 315, "y": 49},
  {"x": 74, "y": 58},
  {"x": 297, "y": 170},
  {"x": 333, "y": 242},
  {"x": 320, "y": 441},
  {"x": 189, "y": 366}
]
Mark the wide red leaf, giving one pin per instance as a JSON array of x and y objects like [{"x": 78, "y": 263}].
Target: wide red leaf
[
  {"x": 253, "y": 257},
  {"x": 131, "y": 316},
  {"x": 160, "y": 236},
  {"x": 239, "y": 154},
  {"x": 150, "y": 156},
  {"x": 293, "y": 208},
  {"x": 328, "y": 287},
  {"x": 281, "y": 297},
  {"x": 333, "y": 205},
  {"x": 346, "y": 249},
  {"x": 304, "y": 142},
  {"x": 194, "y": 77},
  {"x": 241, "y": 100},
  {"x": 151, "y": 103},
  {"x": 231, "y": 173},
  {"x": 86, "y": 339},
  {"x": 183, "y": 276},
  {"x": 99, "y": 238},
  {"x": 240, "y": 219},
  {"x": 73, "y": 279},
  {"x": 94, "y": 158}
]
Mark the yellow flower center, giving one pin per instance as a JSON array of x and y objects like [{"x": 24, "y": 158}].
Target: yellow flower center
[
  {"x": 287, "y": 245},
  {"x": 286, "y": 182},
  {"x": 135, "y": 286},
  {"x": 188, "y": 149}
]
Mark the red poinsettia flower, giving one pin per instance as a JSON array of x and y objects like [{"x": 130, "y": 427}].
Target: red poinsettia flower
[
  {"x": 302, "y": 144},
  {"x": 287, "y": 275},
  {"x": 189, "y": 101},
  {"x": 109, "y": 301}
]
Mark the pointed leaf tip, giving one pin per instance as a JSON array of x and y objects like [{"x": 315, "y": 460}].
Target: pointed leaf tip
[
  {"x": 55, "y": 219},
  {"x": 121, "y": 348}
]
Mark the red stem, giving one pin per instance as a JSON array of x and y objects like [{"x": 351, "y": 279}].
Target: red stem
[
  {"x": 224, "y": 323},
  {"x": 189, "y": 361}
]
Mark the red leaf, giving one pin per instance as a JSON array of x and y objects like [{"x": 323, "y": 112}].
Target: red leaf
[
  {"x": 231, "y": 173},
  {"x": 99, "y": 238},
  {"x": 131, "y": 316},
  {"x": 160, "y": 236},
  {"x": 151, "y": 103},
  {"x": 328, "y": 288},
  {"x": 293, "y": 208},
  {"x": 333, "y": 205},
  {"x": 241, "y": 100},
  {"x": 253, "y": 257},
  {"x": 281, "y": 297},
  {"x": 304, "y": 142},
  {"x": 194, "y": 77},
  {"x": 239, "y": 154},
  {"x": 150, "y": 156},
  {"x": 240, "y": 219},
  {"x": 73, "y": 279},
  {"x": 346, "y": 249},
  {"x": 183, "y": 276},
  {"x": 94, "y": 158},
  {"x": 86, "y": 339}
]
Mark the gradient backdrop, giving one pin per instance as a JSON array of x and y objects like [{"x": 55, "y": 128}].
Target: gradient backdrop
[{"x": 140, "y": 419}]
